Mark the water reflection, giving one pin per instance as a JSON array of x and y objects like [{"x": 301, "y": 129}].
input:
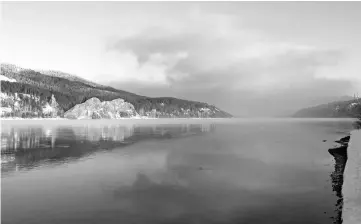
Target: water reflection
[
  {"x": 197, "y": 187},
  {"x": 248, "y": 173},
  {"x": 24, "y": 148}
]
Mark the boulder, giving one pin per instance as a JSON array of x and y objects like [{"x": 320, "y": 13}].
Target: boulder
[{"x": 95, "y": 109}]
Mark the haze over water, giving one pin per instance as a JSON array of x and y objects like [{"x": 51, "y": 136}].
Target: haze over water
[{"x": 187, "y": 171}]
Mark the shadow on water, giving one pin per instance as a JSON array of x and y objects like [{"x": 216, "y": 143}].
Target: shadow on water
[
  {"x": 340, "y": 156},
  {"x": 24, "y": 148}
]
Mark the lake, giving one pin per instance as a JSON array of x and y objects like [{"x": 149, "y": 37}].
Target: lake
[{"x": 170, "y": 171}]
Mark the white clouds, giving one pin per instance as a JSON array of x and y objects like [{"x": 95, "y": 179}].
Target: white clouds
[
  {"x": 218, "y": 50},
  {"x": 125, "y": 66},
  {"x": 234, "y": 61}
]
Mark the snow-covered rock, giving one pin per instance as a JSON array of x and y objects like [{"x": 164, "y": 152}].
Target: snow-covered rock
[{"x": 95, "y": 109}]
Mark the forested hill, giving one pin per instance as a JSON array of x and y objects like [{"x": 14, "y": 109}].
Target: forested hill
[
  {"x": 70, "y": 90},
  {"x": 349, "y": 108},
  {"x": 10, "y": 68}
]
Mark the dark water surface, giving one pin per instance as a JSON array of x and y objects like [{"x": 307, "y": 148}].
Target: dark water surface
[{"x": 269, "y": 171}]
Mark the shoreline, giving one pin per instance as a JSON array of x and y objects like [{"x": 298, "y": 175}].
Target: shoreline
[
  {"x": 125, "y": 118},
  {"x": 351, "y": 189},
  {"x": 337, "y": 176},
  {"x": 155, "y": 121},
  {"x": 346, "y": 179},
  {"x": 122, "y": 121},
  {"x": 192, "y": 118}
]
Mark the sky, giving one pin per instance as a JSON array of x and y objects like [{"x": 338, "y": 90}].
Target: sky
[{"x": 248, "y": 58}]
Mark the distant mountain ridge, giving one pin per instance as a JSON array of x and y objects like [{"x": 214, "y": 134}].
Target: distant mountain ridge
[
  {"x": 14, "y": 68},
  {"x": 347, "y": 108},
  {"x": 70, "y": 90},
  {"x": 68, "y": 77}
]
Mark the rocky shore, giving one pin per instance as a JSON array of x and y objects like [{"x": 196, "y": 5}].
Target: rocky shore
[
  {"x": 346, "y": 179},
  {"x": 337, "y": 176},
  {"x": 351, "y": 189}
]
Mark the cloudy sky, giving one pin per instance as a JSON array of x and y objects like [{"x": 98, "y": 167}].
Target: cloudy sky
[{"x": 248, "y": 58}]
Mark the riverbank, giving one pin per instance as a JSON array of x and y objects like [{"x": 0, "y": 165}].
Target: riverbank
[
  {"x": 166, "y": 121},
  {"x": 346, "y": 178},
  {"x": 123, "y": 118},
  {"x": 244, "y": 119},
  {"x": 351, "y": 189},
  {"x": 123, "y": 121},
  {"x": 337, "y": 176}
]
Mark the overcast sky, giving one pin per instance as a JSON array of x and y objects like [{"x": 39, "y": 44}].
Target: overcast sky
[{"x": 248, "y": 58}]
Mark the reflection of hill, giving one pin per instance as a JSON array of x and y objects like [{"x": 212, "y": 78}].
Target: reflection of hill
[
  {"x": 19, "y": 139},
  {"x": 107, "y": 133},
  {"x": 28, "y": 147}
]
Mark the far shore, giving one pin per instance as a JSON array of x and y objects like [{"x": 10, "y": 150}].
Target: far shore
[
  {"x": 156, "y": 121},
  {"x": 124, "y": 118}
]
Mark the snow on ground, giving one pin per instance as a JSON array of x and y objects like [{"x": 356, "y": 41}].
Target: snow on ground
[{"x": 4, "y": 78}]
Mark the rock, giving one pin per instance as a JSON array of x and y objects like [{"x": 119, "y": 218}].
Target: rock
[
  {"x": 338, "y": 150},
  {"x": 344, "y": 140},
  {"x": 96, "y": 115},
  {"x": 95, "y": 109},
  {"x": 340, "y": 155}
]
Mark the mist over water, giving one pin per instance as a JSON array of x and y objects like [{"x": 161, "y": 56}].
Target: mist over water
[{"x": 269, "y": 171}]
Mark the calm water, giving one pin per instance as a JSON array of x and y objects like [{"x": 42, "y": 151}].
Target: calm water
[{"x": 256, "y": 171}]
